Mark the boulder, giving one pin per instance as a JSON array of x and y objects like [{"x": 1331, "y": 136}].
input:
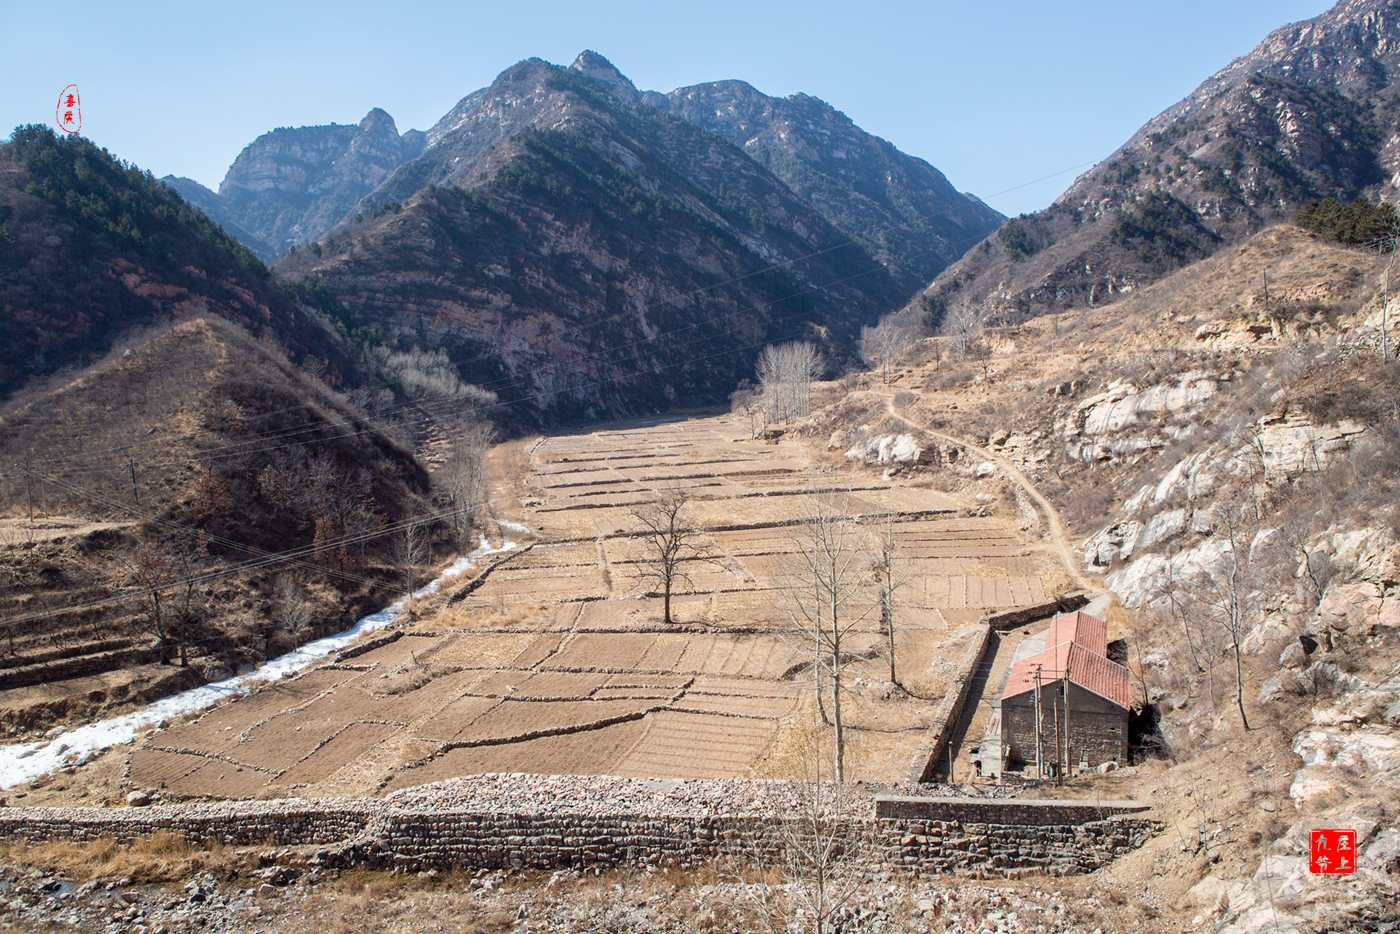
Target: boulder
[
  {"x": 138, "y": 799},
  {"x": 1293, "y": 656},
  {"x": 1384, "y": 854},
  {"x": 1310, "y": 789},
  {"x": 887, "y": 450}
]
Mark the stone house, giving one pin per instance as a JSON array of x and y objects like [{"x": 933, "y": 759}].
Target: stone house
[{"x": 1093, "y": 725}]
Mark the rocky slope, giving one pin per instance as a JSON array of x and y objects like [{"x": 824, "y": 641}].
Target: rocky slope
[
  {"x": 91, "y": 249},
  {"x": 292, "y": 185},
  {"x": 584, "y": 256},
  {"x": 1309, "y": 113},
  {"x": 1226, "y": 465},
  {"x": 136, "y": 475},
  {"x": 902, "y": 210}
]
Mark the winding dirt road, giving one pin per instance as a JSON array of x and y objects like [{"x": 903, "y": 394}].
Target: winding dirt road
[{"x": 1058, "y": 535}]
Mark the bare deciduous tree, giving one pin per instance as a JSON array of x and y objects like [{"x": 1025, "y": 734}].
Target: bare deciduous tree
[
  {"x": 463, "y": 475},
  {"x": 1229, "y": 596},
  {"x": 815, "y": 830},
  {"x": 827, "y": 588},
  {"x": 411, "y": 551},
  {"x": 881, "y": 344},
  {"x": 747, "y": 403},
  {"x": 669, "y": 538},
  {"x": 153, "y": 571},
  {"x": 167, "y": 573},
  {"x": 891, "y": 573},
  {"x": 293, "y": 610},
  {"x": 963, "y": 325},
  {"x": 785, "y": 374}
]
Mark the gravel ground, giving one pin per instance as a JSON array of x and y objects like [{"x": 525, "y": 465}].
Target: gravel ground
[
  {"x": 282, "y": 898},
  {"x": 521, "y": 793}
]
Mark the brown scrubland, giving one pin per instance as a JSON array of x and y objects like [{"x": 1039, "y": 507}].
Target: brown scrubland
[{"x": 1225, "y": 465}]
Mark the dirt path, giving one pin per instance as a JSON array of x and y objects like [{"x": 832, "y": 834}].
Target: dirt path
[{"x": 1059, "y": 537}]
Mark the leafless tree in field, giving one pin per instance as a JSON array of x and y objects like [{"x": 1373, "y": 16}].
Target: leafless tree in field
[
  {"x": 891, "y": 572},
  {"x": 462, "y": 477},
  {"x": 828, "y": 592},
  {"x": 963, "y": 324},
  {"x": 669, "y": 538},
  {"x": 152, "y": 571},
  {"x": 167, "y": 573},
  {"x": 747, "y": 403},
  {"x": 785, "y": 374}
]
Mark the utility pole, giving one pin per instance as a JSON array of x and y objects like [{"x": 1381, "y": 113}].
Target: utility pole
[
  {"x": 135, "y": 494},
  {"x": 28, "y": 486},
  {"x": 1066, "y": 693},
  {"x": 1039, "y": 747},
  {"x": 1059, "y": 766}
]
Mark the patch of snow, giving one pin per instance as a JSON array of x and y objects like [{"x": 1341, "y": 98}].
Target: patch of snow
[{"x": 23, "y": 762}]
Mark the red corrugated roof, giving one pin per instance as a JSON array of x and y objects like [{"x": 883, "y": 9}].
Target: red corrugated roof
[
  {"x": 1066, "y": 649},
  {"x": 1089, "y": 631}
]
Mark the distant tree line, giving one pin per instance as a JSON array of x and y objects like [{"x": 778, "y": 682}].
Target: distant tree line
[{"x": 1360, "y": 223}]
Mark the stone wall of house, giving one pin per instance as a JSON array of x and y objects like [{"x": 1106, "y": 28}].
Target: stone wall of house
[{"x": 1098, "y": 727}]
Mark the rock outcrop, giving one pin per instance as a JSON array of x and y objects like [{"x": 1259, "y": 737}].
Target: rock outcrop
[{"x": 291, "y": 185}]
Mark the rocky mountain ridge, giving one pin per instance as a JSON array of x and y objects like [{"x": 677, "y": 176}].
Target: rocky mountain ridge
[
  {"x": 291, "y": 185},
  {"x": 1309, "y": 113},
  {"x": 584, "y": 256}
]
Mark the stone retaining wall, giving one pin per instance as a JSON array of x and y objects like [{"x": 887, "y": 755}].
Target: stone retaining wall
[
  {"x": 945, "y": 717},
  {"x": 1010, "y": 619},
  {"x": 610, "y": 826}
]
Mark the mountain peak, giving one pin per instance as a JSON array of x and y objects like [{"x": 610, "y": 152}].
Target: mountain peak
[
  {"x": 378, "y": 117},
  {"x": 596, "y": 66}
]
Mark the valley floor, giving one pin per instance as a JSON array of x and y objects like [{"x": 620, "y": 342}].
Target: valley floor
[{"x": 558, "y": 661}]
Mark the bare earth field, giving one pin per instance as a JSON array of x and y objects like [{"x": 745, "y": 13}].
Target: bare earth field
[{"x": 559, "y": 662}]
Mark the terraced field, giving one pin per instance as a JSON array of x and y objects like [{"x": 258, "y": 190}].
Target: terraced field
[{"x": 558, "y": 660}]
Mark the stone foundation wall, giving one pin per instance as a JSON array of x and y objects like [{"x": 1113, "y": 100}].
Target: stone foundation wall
[
  {"x": 932, "y": 750},
  {"x": 611, "y": 830},
  {"x": 569, "y": 822}
]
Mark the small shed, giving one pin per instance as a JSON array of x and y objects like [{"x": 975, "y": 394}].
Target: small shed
[{"x": 1084, "y": 700}]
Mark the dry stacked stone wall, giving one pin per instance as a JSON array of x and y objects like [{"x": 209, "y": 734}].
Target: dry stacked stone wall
[{"x": 550, "y": 822}]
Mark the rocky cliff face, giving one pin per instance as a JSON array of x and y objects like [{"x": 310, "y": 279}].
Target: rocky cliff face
[
  {"x": 901, "y": 209},
  {"x": 292, "y": 185},
  {"x": 1309, "y": 113},
  {"x": 584, "y": 255}
]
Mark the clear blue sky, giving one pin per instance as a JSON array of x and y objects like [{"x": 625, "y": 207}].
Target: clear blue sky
[{"x": 993, "y": 93}]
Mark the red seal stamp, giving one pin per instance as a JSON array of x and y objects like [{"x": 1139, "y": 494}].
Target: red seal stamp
[
  {"x": 69, "y": 112},
  {"x": 1333, "y": 852}
]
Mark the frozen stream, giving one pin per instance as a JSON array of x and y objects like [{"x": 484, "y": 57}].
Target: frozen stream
[{"x": 23, "y": 762}]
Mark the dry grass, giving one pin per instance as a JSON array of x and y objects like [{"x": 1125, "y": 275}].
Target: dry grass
[
  {"x": 161, "y": 857},
  {"x": 1056, "y": 580}
]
